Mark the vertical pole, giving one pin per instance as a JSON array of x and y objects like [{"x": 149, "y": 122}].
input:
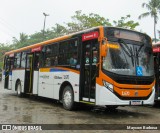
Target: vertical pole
[
  {"x": 45, "y": 15},
  {"x": 44, "y": 24}
]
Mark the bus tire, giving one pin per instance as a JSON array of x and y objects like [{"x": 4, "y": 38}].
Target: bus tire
[
  {"x": 68, "y": 98},
  {"x": 19, "y": 89}
]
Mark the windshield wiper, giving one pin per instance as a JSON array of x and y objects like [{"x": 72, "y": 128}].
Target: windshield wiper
[
  {"x": 137, "y": 54},
  {"x": 127, "y": 50}
]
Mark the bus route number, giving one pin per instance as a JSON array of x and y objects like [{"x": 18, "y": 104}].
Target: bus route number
[{"x": 66, "y": 76}]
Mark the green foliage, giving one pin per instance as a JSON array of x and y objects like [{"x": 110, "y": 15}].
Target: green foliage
[
  {"x": 4, "y": 48},
  {"x": 58, "y": 30},
  {"x": 125, "y": 23},
  {"x": 82, "y": 21},
  {"x": 23, "y": 38},
  {"x": 79, "y": 22},
  {"x": 153, "y": 7},
  {"x": 1, "y": 65}
]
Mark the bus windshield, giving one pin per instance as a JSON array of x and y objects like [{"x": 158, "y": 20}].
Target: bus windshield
[{"x": 129, "y": 57}]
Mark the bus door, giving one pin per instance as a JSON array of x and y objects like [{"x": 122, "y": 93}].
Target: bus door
[
  {"x": 36, "y": 72},
  {"x": 8, "y": 73},
  {"x": 89, "y": 70},
  {"x": 29, "y": 73},
  {"x": 157, "y": 75}
]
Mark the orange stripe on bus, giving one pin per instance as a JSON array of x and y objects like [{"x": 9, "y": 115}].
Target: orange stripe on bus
[
  {"x": 39, "y": 44},
  {"x": 102, "y": 76},
  {"x": 44, "y": 69},
  {"x": 62, "y": 68},
  {"x": 68, "y": 69}
]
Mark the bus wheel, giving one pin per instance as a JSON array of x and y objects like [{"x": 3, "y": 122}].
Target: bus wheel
[
  {"x": 68, "y": 98},
  {"x": 19, "y": 88}
]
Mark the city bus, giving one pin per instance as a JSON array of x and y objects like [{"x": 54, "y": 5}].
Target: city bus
[
  {"x": 156, "y": 54},
  {"x": 104, "y": 66}
]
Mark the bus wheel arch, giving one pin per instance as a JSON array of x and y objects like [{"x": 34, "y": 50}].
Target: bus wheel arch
[
  {"x": 66, "y": 95},
  {"x": 18, "y": 88}
]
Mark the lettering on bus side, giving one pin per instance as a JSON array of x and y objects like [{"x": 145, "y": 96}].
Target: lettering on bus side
[
  {"x": 44, "y": 76},
  {"x": 66, "y": 76},
  {"x": 57, "y": 77},
  {"x": 125, "y": 93},
  {"x": 90, "y": 36}
]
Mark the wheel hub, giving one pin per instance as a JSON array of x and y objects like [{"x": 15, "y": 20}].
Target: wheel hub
[{"x": 67, "y": 98}]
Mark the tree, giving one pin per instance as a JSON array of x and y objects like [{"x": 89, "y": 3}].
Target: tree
[
  {"x": 125, "y": 23},
  {"x": 23, "y": 38},
  {"x": 153, "y": 7},
  {"x": 79, "y": 22},
  {"x": 4, "y": 48},
  {"x": 82, "y": 21},
  {"x": 58, "y": 30}
]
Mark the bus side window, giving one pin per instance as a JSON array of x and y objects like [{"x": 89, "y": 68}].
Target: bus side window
[
  {"x": 36, "y": 62},
  {"x": 17, "y": 60},
  {"x": 73, "y": 59},
  {"x": 42, "y": 57},
  {"x": 95, "y": 53},
  {"x": 23, "y": 60}
]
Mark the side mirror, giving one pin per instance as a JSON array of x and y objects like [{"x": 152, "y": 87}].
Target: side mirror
[{"x": 104, "y": 50}]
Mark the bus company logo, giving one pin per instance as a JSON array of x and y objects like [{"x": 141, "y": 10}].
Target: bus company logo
[
  {"x": 44, "y": 76},
  {"x": 136, "y": 93},
  {"x": 57, "y": 77}
]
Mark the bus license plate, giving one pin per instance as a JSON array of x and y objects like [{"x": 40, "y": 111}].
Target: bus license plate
[{"x": 136, "y": 102}]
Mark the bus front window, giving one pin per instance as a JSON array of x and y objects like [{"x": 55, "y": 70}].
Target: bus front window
[{"x": 125, "y": 57}]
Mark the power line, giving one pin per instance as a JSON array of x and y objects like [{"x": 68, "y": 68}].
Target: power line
[
  {"x": 8, "y": 25},
  {"x": 7, "y": 28}
]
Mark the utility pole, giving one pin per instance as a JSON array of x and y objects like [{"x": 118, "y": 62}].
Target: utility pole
[{"x": 45, "y": 15}]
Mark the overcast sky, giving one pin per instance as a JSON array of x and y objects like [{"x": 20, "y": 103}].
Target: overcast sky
[{"x": 17, "y": 16}]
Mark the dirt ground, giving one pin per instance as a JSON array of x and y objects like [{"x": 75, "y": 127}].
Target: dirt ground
[{"x": 31, "y": 110}]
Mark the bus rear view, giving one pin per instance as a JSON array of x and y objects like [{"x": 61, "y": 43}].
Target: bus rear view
[{"x": 127, "y": 68}]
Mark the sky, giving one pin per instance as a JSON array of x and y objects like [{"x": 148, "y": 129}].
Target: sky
[{"x": 26, "y": 16}]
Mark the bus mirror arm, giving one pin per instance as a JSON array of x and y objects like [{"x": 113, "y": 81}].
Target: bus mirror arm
[
  {"x": 104, "y": 47},
  {"x": 104, "y": 50}
]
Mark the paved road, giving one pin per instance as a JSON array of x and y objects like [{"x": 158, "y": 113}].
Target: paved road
[{"x": 15, "y": 110}]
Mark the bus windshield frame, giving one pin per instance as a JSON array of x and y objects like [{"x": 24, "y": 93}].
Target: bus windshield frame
[{"x": 126, "y": 55}]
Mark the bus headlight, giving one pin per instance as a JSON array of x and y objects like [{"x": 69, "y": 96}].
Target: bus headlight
[
  {"x": 108, "y": 85},
  {"x": 153, "y": 88}
]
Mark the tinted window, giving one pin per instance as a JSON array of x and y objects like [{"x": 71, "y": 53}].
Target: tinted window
[
  {"x": 17, "y": 61},
  {"x": 63, "y": 53},
  {"x": 23, "y": 60},
  {"x": 68, "y": 52}
]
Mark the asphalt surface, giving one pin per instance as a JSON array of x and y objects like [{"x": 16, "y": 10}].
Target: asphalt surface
[{"x": 38, "y": 110}]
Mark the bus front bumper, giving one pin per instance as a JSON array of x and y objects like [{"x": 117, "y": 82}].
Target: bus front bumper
[{"x": 106, "y": 97}]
